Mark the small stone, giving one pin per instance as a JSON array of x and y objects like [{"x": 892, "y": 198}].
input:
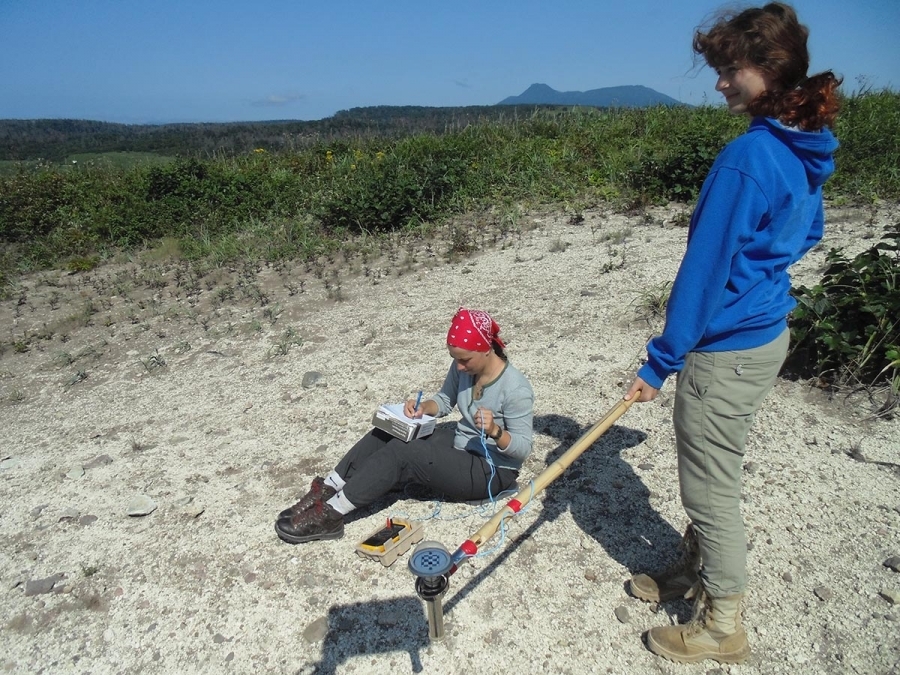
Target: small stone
[
  {"x": 141, "y": 505},
  {"x": 892, "y": 595},
  {"x": 313, "y": 379},
  {"x": 823, "y": 593},
  {"x": 646, "y": 466},
  {"x": 42, "y": 586},
  {"x": 68, "y": 514},
  {"x": 99, "y": 460},
  {"x": 37, "y": 510},
  {"x": 193, "y": 510},
  {"x": 788, "y": 577},
  {"x": 586, "y": 543},
  {"x": 316, "y": 631},
  {"x": 893, "y": 563},
  {"x": 590, "y": 575},
  {"x": 75, "y": 472},
  {"x": 9, "y": 463},
  {"x": 751, "y": 467},
  {"x": 218, "y": 638},
  {"x": 230, "y": 657},
  {"x": 622, "y": 614},
  {"x": 249, "y": 577},
  {"x": 183, "y": 501},
  {"x": 87, "y": 520}
]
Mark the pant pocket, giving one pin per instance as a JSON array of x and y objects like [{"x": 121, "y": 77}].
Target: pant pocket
[{"x": 699, "y": 368}]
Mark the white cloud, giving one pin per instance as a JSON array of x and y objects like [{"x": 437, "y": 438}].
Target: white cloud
[{"x": 277, "y": 100}]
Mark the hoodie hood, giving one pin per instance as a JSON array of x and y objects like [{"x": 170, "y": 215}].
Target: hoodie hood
[{"x": 815, "y": 149}]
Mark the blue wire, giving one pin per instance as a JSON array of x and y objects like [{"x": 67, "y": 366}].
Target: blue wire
[
  {"x": 487, "y": 457},
  {"x": 493, "y": 503}
]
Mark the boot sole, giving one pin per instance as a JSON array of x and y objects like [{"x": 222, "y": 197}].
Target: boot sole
[
  {"x": 734, "y": 657},
  {"x": 302, "y": 539}
]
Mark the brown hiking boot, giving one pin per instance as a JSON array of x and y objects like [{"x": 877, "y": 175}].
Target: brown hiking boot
[
  {"x": 714, "y": 632},
  {"x": 677, "y": 580},
  {"x": 319, "y": 521},
  {"x": 319, "y": 489}
]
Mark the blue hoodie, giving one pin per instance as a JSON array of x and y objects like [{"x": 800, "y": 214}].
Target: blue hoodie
[{"x": 760, "y": 210}]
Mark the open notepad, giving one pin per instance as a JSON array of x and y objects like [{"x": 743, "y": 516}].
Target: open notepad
[{"x": 390, "y": 418}]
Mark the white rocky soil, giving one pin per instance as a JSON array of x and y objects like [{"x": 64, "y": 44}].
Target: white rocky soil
[{"x": 209, "y": 404}]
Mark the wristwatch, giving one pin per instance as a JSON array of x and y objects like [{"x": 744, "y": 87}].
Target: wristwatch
[{"x": 499, "y": 434}]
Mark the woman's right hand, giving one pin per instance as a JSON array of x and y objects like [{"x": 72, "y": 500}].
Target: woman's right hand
[
  {"x": 644, "y": 391},
  {"x": 409, "y": 409}
]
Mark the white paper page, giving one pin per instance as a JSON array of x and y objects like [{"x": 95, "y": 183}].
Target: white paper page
[{"x": 396, "y": 410}]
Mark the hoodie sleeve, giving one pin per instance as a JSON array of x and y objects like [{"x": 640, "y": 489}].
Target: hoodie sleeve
[{"x": 729, "y": 209}]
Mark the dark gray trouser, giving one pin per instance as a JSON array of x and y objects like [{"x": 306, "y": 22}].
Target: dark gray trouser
[
  {"x": 718, "y": 394},
  {"x": 379, "y": 463}
]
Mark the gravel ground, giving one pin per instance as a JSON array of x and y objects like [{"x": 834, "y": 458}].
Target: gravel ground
[{"x": 210, "y": 402}]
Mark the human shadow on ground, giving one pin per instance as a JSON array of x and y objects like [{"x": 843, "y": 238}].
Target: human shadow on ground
[
  {"x": 373, "y": 627},
  {"x": 605, "y": 496}
]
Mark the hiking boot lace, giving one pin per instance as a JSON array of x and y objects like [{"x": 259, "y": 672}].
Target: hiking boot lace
[{"x": 697, "y": 624}]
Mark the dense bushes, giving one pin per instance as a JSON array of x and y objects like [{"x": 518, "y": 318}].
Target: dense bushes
[
  {"x": 846, "y": 329},
  {"x": 301, "y": 203},
  {"x": 868, "y": 160},
  {"x": 638, "y": 156}
]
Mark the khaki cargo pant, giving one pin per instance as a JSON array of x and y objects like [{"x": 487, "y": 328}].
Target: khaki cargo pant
[{"x": 718, "y": 394}]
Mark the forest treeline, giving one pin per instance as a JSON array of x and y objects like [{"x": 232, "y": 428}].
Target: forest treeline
[{"x": 57, "y": 139}]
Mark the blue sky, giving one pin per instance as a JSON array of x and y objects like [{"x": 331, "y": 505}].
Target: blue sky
[{"x": 140, "y": 61}]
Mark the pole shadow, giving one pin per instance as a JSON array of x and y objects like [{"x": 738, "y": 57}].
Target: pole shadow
[{"x": 605, "y": 496}]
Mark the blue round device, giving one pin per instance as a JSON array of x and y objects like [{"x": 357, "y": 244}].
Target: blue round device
[{"x": 430, "y": 559}]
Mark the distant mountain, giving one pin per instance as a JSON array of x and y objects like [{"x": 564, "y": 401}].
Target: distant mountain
[{"x": 632, "y": 96}]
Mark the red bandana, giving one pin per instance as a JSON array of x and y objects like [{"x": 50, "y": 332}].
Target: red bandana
[{"x": 474, "y": 331}]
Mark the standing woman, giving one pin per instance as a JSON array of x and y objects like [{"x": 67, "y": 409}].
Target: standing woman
[{"x": 760, "y": 210}]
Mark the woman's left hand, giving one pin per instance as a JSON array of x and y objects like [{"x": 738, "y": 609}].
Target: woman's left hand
[{"x": 484, "y": 420}]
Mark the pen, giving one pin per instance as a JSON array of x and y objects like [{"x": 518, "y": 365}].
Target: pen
[{"x": 418, "y": 401}]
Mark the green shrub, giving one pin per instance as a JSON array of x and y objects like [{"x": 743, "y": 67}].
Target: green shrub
[
  {"x": 29, "y": 203},
  {"x": 413, "y": 180},
  {"x": 230, "y": 206},
  {"x": 868, "y": 160},
  {"x": 680, "y": 151},
  {"x": 846, "y": 329}
]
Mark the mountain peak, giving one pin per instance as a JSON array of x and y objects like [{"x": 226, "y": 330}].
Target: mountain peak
[{"x": 627, "y": 96}]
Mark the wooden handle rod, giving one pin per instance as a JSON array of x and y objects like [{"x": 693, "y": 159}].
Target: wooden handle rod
[{"x": 470, "y": 547}]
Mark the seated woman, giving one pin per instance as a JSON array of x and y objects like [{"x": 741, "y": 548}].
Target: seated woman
[{"x": 478, "y": 460}]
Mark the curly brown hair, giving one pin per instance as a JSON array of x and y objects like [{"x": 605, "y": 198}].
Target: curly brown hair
[{"x": 773, "y": 40}]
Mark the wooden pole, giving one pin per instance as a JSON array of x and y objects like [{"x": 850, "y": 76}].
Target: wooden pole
[{"x": 470, "y": 547}]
